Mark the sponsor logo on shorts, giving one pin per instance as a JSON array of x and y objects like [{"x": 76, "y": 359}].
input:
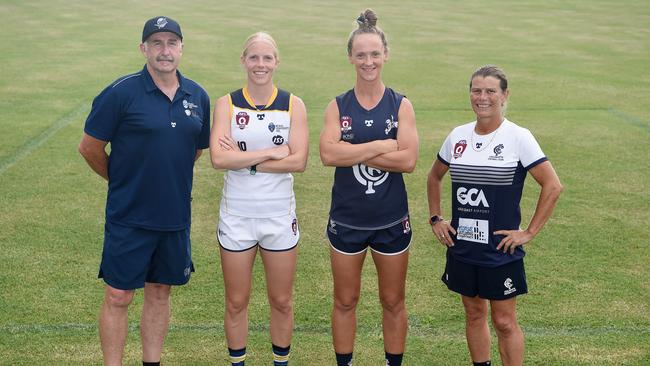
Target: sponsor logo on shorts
[
  {"x": 406, "y": 226},
  {"x": 332, "y": 228},
  {"x": 294, "y": 227},
  {"x": 187, "y": 271},
  {"x": 459, "y": 148},
  {"x": 509, "y": 287}
]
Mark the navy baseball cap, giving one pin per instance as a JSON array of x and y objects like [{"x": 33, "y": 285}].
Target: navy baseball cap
[{"x": 161, "y": 24}]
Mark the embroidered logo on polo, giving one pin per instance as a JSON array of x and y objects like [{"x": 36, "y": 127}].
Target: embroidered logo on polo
[
  {"x": 369, "y": 177},
  {"x": 390, "y": 124},
  {"x": 369, "y": 122},
  {"x": 346, "y": 123},
  {"x": 498, "y": 150},
  {"x": 242, "y": 119},
  {"x": 459, "y": 148},
  {"x": 190, "y": 108},
  {"x": 161, "y": 23}
]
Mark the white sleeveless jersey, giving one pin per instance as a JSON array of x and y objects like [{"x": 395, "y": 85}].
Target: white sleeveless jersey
[{"x": 259, "y": 195}]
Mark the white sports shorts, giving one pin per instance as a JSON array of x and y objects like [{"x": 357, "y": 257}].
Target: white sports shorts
[{"x": 276, "y": 234}]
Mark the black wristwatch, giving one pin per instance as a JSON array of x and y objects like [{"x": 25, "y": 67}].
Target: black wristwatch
[{"x": 435, "y": 219}]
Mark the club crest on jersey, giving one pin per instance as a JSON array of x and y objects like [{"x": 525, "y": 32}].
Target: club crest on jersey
[
  {"x": 294, "y": 227},
  {"x": 369, "y": 177},
  {"x": 497, "y": 153},
  {"x": 459, "y": 148},
  {"x": 271, "y": 126},
  {"x": 346, "y": 123},
  {"x": 242, "y": 120},
  {"x": 278, "y": 139},
  {"x": 390, "y": 124},
  {"x": 260, "y": 116}
]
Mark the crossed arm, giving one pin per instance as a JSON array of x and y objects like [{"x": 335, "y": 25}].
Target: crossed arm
[
  {"x": 389, "y": 155},
  {"x": 225, "y": 154}
]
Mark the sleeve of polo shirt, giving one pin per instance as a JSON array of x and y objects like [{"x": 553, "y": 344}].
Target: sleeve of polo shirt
[
  {"x": 104, "y": 117},
  {"x": 445, "y": 151},
  {"x": 530, "y": 153},
  {"x": 204, "y": 138}
]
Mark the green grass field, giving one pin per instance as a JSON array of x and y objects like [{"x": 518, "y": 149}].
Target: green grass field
[{"x": 579, "y": 80}]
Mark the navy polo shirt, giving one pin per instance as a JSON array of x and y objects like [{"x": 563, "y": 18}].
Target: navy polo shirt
[{"x": 153, "y": 145}]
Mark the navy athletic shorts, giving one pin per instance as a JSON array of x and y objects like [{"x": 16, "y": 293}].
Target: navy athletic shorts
[
  {"x": 392, "y": 240},
  {"x": 491, "y": 283},
  {"x": 133, "y": 256}
]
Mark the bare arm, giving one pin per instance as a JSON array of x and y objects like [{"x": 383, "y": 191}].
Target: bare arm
[
  {"x": 403, "y": 160},
  {"x": 224, "y": 152},
  {"x": 94, "y": 151},
  {"x": 298, "y": 143},
  {"x": 545, "y": 175},
  {"x": 443, "y": 228},
  {"x": 334, "y": 152}
]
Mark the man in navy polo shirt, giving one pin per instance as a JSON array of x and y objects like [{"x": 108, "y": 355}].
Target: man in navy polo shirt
[{"x": 157, "y": 123}]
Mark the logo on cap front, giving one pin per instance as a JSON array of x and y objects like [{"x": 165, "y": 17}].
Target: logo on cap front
[{"x": 161, "y": 23}]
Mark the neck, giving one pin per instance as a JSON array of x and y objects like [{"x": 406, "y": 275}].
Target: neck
[
  {"x": 163, "y": 80},
  {"x": 488, "y": 125},
  {"x": 369, "y": 89},
  {"x": 260, "y": 93}
]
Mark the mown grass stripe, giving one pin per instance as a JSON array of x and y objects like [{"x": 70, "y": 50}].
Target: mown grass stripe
[{"x": 36, "y": 142}]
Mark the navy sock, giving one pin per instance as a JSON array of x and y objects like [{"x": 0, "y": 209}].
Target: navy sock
[
  {"x": 281, "y": 355},
  {"x": 484, "y": 363},
  {"x": 394, "y": 359},
  {"x": 344, "y": 359},
  {"x": 237, "y": 356},
  {"x": 150, "y": 363}
]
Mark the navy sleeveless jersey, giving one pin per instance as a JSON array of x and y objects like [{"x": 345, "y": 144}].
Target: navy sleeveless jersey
[{"x": 363, "y": 197}]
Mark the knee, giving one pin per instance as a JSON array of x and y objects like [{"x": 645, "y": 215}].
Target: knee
[
  {"x": 346, "y": 303},
  {"x": 118, "y": 298},
  {"x": 158, "y": 293},
  {"x": 281, "y": 304},
  {"x": 504, "y": 325},
  {"x": 475, "y": 315},
  {"x": 236, "y": 305},
  {"x": 392, "y": 303}
]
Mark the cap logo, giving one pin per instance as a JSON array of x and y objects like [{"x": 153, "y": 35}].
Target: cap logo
[{"x": 161, "y": 23}]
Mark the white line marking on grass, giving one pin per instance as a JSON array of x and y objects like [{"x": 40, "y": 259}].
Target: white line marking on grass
[
  {"x": 416, "y": 331},
  {"x": 629, "y": 119},
  {"x": 35, "y": 143}
]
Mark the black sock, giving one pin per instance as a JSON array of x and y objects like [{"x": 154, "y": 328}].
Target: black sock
[
  {"x": 280, "y": 355},
  {"x": 237, "y": 356},
  {"x": 150, "y": 363},
  {"x": 484, "y": 363},
  {"x": 394, "y": 359},
  {"x": 344, "y": 359}
]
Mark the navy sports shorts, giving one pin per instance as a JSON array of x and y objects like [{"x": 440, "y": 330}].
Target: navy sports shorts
[
  {"x": 133, "y": 256},
  {"x": 491, "y": 283},
  {"x": 392, "y": 240}
]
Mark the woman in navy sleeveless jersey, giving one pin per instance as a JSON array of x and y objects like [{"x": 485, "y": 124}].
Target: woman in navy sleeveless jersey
[
  {"x": 488, "y": 160},
  {"x": 370, "y": 137},
  {"x": 260, "y": 136}
]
